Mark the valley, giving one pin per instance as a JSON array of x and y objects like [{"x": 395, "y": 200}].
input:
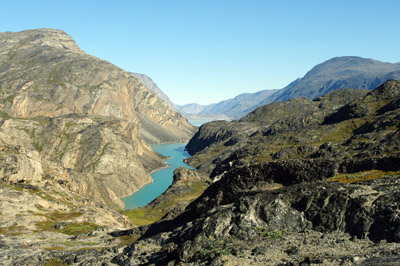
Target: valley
[
  {"x": 162, "y": 178},
  {"x": 305, "y": 175}
]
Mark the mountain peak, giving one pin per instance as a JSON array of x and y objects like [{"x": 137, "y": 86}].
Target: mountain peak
[
  {"x": 349, "y": 65},
  {"x": 40, "y": 38}
]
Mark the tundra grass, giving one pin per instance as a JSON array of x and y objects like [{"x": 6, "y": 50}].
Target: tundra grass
[
  {"x": 150, "y": 214},
  {"x": 362, "y": 176}
]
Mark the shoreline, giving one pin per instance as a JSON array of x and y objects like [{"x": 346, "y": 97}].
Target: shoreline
[
  {"x": 172, "y": 155},
  {"x": 152, "y": 180}
]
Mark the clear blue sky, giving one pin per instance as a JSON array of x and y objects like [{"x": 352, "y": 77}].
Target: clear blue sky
[{"x": 207, "y": 51}]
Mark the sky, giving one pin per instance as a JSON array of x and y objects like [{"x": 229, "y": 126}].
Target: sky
[{"x": 206, "y": 51}]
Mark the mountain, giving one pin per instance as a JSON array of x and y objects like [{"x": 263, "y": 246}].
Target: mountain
[
  {"x": 238, "y": 106},
  {"x": 336, "y": 73},
  {"x": 44, "y": 73},
  {"x": 186, "y": 112},
  {"x": 339, "y": 72},
  {"x": 191, "y": 108},
  {"x": 74, "y": 133},
  {"x": 232, "y": 108},
  {"x": 149, "y": 83},
  {"x": 298, "y": 182}
]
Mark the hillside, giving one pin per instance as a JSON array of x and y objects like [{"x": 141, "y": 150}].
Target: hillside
[
  {"x": 299, "y": 125},
  {"x": 149, "y": 83}
]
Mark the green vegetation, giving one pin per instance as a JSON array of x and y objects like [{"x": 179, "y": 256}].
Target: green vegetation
[
  {"x": 4, "y": 115},
  {"x": 70, "y": 244},
  {"x": 38, "y": 146},
  {"x": 55, "y": 262},
  {"x": 9, "y": 99},
  {"x": 150, "y": 214},
  {"x": 70, "y": 228},
  {"x": 266, "y": 233},
  {"x": 362, "y": 176},
  {"x": 13, "y": 230},
  {"x": 216, "y": 247},
  {"x": 126, "y": 240},
  {"x": 79, "y": 228}
]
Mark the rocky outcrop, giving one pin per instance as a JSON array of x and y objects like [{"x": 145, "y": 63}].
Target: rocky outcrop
[
  {"x": 341, "y": 124},
  {"x": 290, "y": 209},
  {"x": 274, "y": 189},
  {"x": 99, "y": 159}
]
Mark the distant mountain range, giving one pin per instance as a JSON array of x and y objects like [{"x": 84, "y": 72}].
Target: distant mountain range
[
  {"x": 339, "y": 72},
  {"x": 188, "y": 113},
  {"x": 232, "y": 108}
]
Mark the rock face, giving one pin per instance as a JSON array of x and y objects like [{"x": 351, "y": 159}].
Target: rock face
[
  {"x": 149, "y": 83},
  {"x": 44, "y": 73},
  {"x": 101, "y": 160},
  {"x": 74, "y": 138}
]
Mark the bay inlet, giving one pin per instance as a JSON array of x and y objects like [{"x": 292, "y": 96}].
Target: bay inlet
[{"x": 162, "y": 178}]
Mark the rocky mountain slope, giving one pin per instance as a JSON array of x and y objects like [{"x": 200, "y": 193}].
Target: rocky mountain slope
[
  {"x": 44, "y": 73},
  {"x": 336, "y": 73},
  {"x": 149, "y": 83},
  {"x": 185, "y": 112},
  {"x": 74, "y": 138}
]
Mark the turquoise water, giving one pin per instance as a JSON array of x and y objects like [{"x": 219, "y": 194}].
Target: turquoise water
[
  {"x": 199, "y": 122},
  {"x": 162, "y": 179}
]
